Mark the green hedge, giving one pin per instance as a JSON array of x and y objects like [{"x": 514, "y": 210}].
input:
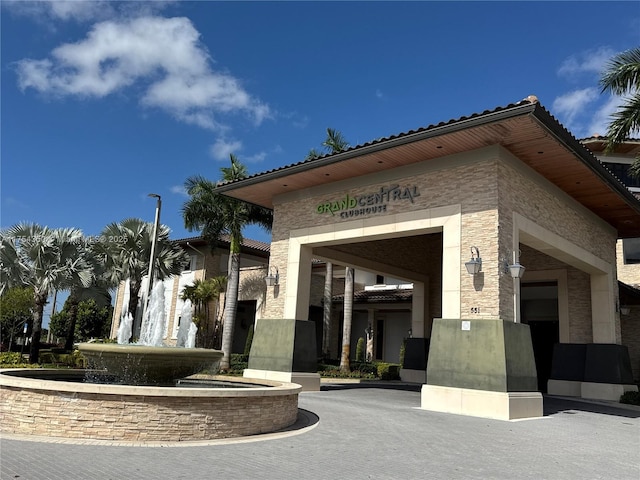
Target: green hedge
[
  {"x": 15, "y": 360},
  {"x": 374, "y": 370}
]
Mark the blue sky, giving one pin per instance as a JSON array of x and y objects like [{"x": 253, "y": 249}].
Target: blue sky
[{"x": 105, "y": 102}]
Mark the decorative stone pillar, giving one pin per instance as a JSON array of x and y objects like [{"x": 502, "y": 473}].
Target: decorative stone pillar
[
  {"x": 482, "y": 367},
  {"x": 285, "y": 350}
]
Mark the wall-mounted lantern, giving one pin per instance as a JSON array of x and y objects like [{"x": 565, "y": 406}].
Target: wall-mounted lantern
[
  {"x": 272, "y": 279},
  {"x": 516, "y": 270},
  {"x": 475, "y": 264}
]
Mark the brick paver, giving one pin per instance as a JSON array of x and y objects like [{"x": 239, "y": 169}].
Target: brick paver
[{"x": 369, "y": 432}]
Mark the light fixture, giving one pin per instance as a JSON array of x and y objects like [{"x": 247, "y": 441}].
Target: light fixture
[
  {"x": 515, "y": 269},
  {"x": 625, "y": 310},
  {"x": 475, "y": 264},
  {"x": 272, "y": 279}
]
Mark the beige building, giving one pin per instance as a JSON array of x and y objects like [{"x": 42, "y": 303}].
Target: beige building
[{"x": 492, "y": 193}]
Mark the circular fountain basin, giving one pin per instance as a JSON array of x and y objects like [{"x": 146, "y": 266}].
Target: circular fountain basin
[
  {"x": 53, "y": 403},
  {"x": 146, "y": 365}
]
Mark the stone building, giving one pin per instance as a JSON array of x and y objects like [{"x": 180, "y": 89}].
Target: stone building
[{"x": 486, "y": 216}]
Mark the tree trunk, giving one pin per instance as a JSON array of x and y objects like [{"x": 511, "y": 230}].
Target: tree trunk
[
  {"x": 73, "y": 301},
  {"x": 326, "y": 314},
  {"x": 36, "y": 329},
  {"x": 134, "y": 291},
  {"x": 230, "y": 308},
  {"x": 348, "y": 317}
]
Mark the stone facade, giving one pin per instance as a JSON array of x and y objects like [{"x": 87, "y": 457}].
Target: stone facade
[
  {"x": 146, "y": 417},
  {"x": 629, "y": 274},
  {"x": 488, "y": 185}
]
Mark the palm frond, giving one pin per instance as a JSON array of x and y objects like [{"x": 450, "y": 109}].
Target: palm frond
[{"x": 622, "y": 73}]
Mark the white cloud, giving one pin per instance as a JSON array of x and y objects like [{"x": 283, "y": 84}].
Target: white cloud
[
  {"x": 256, "y": 158},
  {"x": 60, "y": 9},
  {"x": 379, "y": 93},
  {"x": 590, "y": 62},
  {"x": 572, "y": 105},
  {"x": 46, "y": 11},
  {"x": 179, "y": 189},
  {"x": 162, "y": 55},
  {"x": 221, "y": 149},
  {"x": 599, "y": 122}
]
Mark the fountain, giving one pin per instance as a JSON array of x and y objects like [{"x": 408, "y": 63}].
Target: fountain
[
  {"x": 141, "y": 406},
  {"x": 149, "y": 361}
]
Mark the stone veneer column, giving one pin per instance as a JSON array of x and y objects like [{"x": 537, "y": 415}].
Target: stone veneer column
[{"x": 296, "y": 303}]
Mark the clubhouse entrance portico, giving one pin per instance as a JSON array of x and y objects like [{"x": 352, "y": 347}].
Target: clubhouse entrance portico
[{"x": 504, "y": 187}]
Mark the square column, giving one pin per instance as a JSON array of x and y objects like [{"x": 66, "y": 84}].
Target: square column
[{"x": 482, "y": 367}]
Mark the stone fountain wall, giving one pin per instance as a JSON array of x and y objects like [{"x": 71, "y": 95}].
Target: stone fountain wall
[{"x": 146, "y": 414}]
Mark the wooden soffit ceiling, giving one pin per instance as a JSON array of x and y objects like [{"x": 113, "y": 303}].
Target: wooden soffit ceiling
[{"x": 525, "y": 129}]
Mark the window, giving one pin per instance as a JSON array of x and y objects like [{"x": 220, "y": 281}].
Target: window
[
  {"x": 192, "y": 265},
  {"x": 379, "y": 280},
  {"x": 631, "y": 250}
]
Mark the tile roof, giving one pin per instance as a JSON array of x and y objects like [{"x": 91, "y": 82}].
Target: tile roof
[
  {"x": 525, "y": 129},
  {"x": 224, "y": 239},
  {"x": 531, "y": 99},
  {"x": 379, "y": 296}
]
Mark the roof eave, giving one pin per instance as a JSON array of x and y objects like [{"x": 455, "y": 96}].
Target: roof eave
[{"x": 429, "y": 132}]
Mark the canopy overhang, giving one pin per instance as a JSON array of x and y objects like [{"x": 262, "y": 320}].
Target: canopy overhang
[{"x": 526, "y": 129}]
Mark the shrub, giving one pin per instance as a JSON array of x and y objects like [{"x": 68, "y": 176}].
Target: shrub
[
  {"x": 365, "y": 368},
  {"x": 333, "y": 371},
  {"x": 360, "y": 350},
  {"x": 388, "y": 371},
  {"x": 14, "y": 360},
  {"x": 238, "y": 362},
  {"x": 630, "y": 398}
]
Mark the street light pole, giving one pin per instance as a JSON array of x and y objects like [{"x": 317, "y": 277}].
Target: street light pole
[{"x": 153, "y": 249}]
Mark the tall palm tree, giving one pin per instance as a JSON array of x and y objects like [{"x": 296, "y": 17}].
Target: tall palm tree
[
  {"x": 348, "y": 317},
  {"x": 622, "y": 77},
  {"x": 326, "y": 310},
  {"x": 48, "y": 258},
  {"x": 125, "y": 250},
  {"x": 214, "y": 215},
  {"x": 80, "y": 253},
  {"x": 334, "y": 142}
]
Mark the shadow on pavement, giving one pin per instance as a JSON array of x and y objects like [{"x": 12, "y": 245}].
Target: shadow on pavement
[
  {"x": 565, "y": 405},
  {"x": 413, "y": 387}
]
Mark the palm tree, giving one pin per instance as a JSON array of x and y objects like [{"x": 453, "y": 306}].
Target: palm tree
[
  {"x": 80, "y": 253},
  {"x": 214, "y": 215},
  {"x": 335, "y": 142},
  {"x": 125, "y": 250},
  {"x": 48, "y": 261},
  {"x": 326, "y": 311},
  {"x": 622, "y": 77},
  {"x": 348, "y": 316},
  {"x": 12, "y": 270},
  {"x": 201, "y": 293}
]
